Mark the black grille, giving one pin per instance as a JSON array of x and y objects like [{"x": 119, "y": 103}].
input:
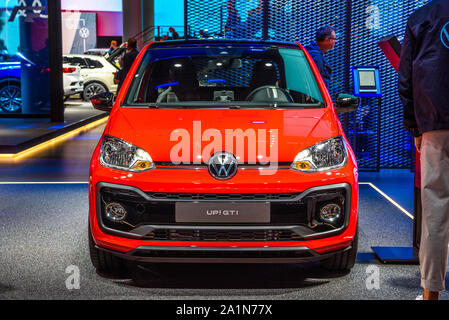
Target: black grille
[
  {"x": 221, "y": 235},
  {"x": 223, "y": 196},
  {"x": 159, "y": 209}
]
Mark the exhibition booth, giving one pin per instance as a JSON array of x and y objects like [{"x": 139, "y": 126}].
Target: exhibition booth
[{"x": 89, "y": 153}]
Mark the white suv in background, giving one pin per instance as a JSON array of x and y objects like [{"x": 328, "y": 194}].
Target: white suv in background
[
  {"x": 97, "y": 72},
  {"x": 73, "y": 82}
]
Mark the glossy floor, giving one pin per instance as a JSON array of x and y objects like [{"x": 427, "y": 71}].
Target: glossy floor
[
  {"x": 66, "y": 161},
  {"x": 44, "y": 241},
  {"x": 16, "y": 131}
]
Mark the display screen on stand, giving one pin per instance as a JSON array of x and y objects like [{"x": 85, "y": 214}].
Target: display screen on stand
[{"x": 367, "y": 81}]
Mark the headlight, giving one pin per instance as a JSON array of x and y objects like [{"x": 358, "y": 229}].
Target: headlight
[
  {"x": 328, "y": 155},
  {"x": 121, "y": 155}
]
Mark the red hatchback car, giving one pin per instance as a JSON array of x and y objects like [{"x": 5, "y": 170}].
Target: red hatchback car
[{"x": 222, "y": 152}]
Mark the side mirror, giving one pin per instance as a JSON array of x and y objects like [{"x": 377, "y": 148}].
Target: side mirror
[
  {"x": 103, "y": 101},
  {"x": 347, "y": 103}
]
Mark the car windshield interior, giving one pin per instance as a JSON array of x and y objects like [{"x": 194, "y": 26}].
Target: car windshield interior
[{"x": 224, "y": 76}]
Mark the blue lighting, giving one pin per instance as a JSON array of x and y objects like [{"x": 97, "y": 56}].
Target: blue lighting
[
  {"x": 20, "y": 55},
  {"x": 167, "y": 85},
  {"x": 169, "y": 15},
  {"x": 216, "y": 80},
  {"x": 24, "y": 126},
  {"x": 59, "y": 126}
]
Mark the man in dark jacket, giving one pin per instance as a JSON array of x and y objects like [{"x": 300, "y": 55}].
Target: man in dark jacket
[
  {"x": 127, "y": 61},
  {"x": 324, "y": 41},
  {"x": 424, "y": 91}
]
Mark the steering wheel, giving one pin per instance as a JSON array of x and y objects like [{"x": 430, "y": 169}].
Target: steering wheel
[{"x": 270, "y": 94}]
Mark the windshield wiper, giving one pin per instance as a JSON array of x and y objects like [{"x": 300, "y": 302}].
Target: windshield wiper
[
  {"x": 235, "y": 107},
  {"x": 302, "y": 106}
]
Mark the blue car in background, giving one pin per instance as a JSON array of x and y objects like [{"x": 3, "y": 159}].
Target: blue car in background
[{"x": 10, "y": 90}]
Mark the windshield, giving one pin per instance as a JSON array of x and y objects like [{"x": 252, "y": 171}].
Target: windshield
[{"x": 225, "y": 76}]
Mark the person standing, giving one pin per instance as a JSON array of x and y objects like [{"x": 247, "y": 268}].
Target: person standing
[
  {"x": 174, "y": 34},
  {"x": 325, "y": 40},
  {"x": 424, "y": 91},
  {"x": 127, "y": 61},
  {"x": 112, "y": 47}
]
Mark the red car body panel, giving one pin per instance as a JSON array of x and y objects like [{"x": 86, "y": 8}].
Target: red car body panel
[
  {"x": 137, "y": 125},
  {"x": 150, "y": 129},
  {"x": 252, "y": 182}
]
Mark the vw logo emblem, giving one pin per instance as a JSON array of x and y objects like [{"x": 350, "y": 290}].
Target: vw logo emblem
[
  {"x": 223, "y": 166},
  {"x": 445, "y": 35},
  {"x": 84, "y": 33}
]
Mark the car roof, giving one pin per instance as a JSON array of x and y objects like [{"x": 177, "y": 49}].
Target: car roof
[
  {"x": 206, "y": 42},
  {"x": 89, "y": 56}
]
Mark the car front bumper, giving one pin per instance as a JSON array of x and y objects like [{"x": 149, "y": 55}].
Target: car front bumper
[
  {"x": 164, "y": 239},
  {"x": 253, "y": 255},
  {"x": 168, "y": 241},
  {"x": 74, "y": 88}
]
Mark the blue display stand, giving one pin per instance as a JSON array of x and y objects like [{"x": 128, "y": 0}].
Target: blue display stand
[{"x": 396, "y": 255}]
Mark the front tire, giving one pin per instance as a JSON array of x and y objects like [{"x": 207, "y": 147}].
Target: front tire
[
  {"x": 343, "y": 261},
  {"x": 103, "y": 261}
]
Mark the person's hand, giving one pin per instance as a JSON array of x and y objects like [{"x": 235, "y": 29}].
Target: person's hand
[{"x": 418, "y": 141}]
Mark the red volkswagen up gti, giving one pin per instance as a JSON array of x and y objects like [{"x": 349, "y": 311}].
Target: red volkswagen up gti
[{"x": 223, "y": 151}]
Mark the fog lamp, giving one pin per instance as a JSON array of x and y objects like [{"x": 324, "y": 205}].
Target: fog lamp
[
  {"x": 330, "y": 213},
  {"x": 115, "y": 212}
]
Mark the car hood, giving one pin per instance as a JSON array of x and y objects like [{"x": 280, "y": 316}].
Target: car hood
[{"x": 190, "y": 134}]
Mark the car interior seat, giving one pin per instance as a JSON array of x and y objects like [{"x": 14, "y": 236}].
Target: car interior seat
[
  {"x": 264, "y": 74},
  {"x": 264, "y": 85},
  {"x": 183, "y": 74}
]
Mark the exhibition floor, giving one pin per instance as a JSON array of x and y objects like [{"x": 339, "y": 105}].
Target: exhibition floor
[
  {"x": 43, "y": 218},
  {"x": 18, "y": 135}
]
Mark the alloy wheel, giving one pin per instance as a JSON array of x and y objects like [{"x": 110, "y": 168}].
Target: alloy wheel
[
  {"x": 93, "y": 89},
  {"x": 11, "y": 98}
]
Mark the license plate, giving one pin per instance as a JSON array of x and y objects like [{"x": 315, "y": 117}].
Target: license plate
[{"x": 222, "y": 212}]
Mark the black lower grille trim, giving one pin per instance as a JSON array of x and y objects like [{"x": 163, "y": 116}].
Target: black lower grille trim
[
  {"x": 221, "y": 235},
  {"x": 222, "y": 196},
  {"x": 220, "y": 254}
]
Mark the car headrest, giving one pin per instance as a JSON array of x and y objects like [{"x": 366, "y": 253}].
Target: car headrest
[
  {"x": 183, "y": 72},
  {"x": 264, "y": 74}
]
